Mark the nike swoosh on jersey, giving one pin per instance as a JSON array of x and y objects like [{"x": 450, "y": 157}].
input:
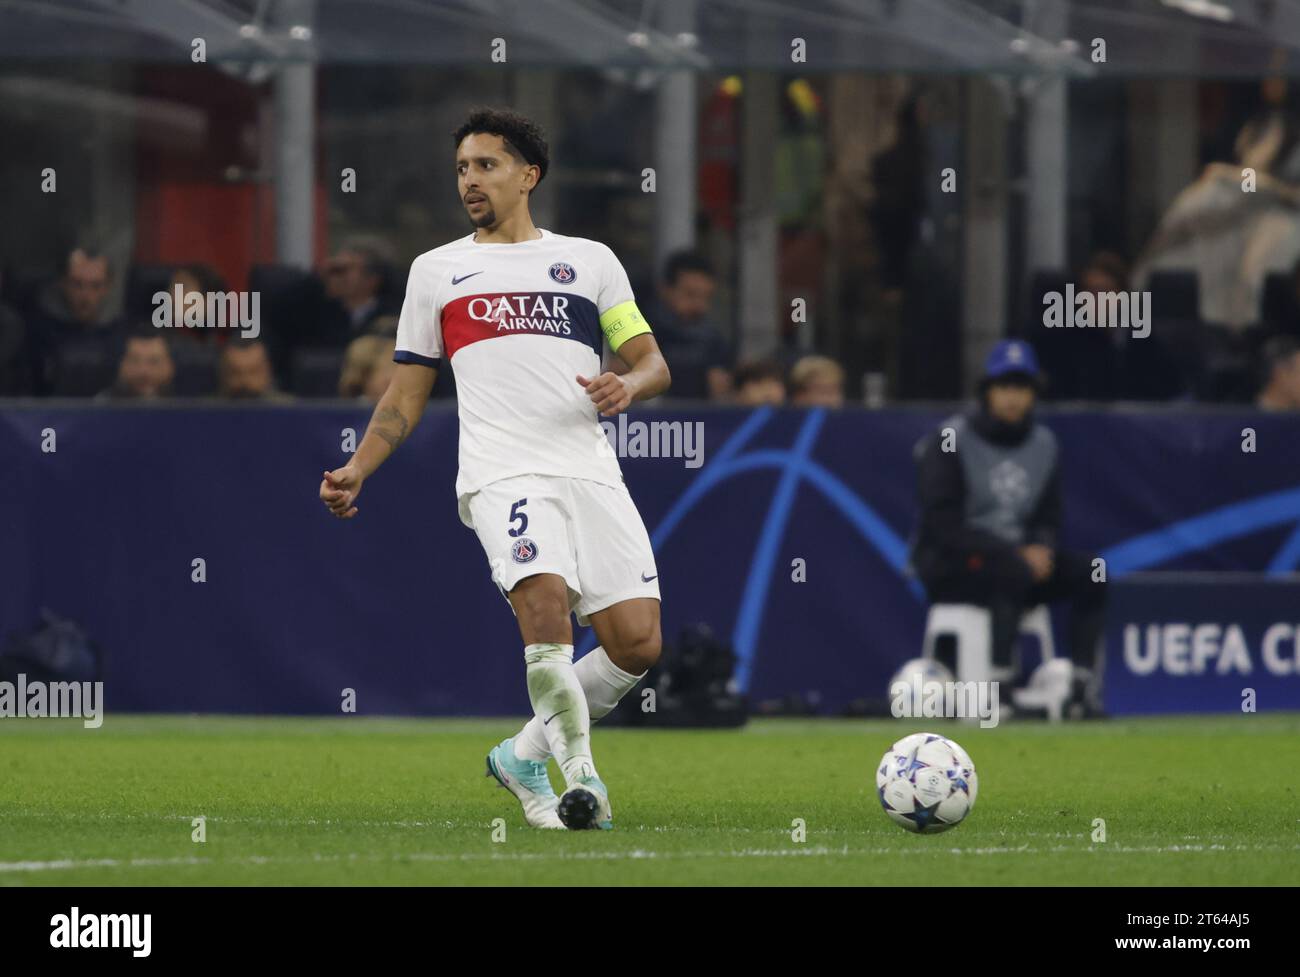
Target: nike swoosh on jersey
[
  {"x": 457, "y": 281},
  {"x": 645, "y": 579}
]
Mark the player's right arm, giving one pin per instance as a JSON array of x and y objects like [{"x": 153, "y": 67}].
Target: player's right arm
[
  {"x": 418, "y": 356},
  {"x": 395, "y": 417}
]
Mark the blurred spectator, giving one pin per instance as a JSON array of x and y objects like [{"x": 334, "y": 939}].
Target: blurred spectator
[
  {"x": 817, "y": 381},
  {"x": 898, "y": 174},
  {"x": 73, "y": 307},
  {"x": 1280, "y": 304},
  {"x": 696, "y": 350},
  {"x": 145, "y": 370},
  {"x": 1085, "y": 364},
  {"x": 14, "y": 379},
  {"x": 78, "y": 301},
  {"x": 356, "y": 278},
  {"x": 245, "y": 372},
  {"x": 800, "y": 156},
  {"x": 1105, "y": 271},
  {"x": 760, "y": 382},
  {"x": 1281, "y": 375},
  {"x": 367, "y": 367},
  {"x": 381, "y": 373},
  {"x": 190, "y": 279},
  {"x": 1235, "y": 239}
]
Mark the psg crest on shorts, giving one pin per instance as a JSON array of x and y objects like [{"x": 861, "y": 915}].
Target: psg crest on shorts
[
  {"x": 524, "y": 550},
  {"x": 563, "y": 273}
]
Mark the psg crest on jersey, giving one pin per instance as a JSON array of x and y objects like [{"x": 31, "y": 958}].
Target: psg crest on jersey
[
  {"x": 563, "y": 273},
  {"x": 524, "y": 550}
]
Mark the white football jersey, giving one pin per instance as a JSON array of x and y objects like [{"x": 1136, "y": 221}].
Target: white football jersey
[{"x": 518, "y": 323}]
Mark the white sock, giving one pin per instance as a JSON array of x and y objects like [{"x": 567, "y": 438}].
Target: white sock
[
  {"x": 561, "y": 707},
  {"x": 603, "y": 684}
]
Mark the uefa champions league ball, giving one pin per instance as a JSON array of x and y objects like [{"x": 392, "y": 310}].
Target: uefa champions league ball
[{"x": 927, "y": 783}]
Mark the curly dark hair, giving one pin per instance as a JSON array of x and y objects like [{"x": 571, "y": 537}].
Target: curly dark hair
[{"x": 524, "y": 138}]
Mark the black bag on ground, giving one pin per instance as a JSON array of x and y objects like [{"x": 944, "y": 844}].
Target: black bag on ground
[{"x": 691, "y": 687}]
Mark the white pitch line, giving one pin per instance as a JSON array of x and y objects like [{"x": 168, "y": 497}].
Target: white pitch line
[
  {"x": 631, "y": 855},
  {"x": 1213, "y": 842},
  {"x": 72, "y": 863},
  {"x": 1081, "y": 835}
]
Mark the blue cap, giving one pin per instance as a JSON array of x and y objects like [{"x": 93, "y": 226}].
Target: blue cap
[{"x": 1011, "y": 356}]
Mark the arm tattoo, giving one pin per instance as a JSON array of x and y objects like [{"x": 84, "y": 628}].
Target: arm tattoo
[{"x": 390, "y": 424}]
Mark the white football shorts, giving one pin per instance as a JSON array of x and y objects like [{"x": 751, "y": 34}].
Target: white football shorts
[{"x": 587, "y": 532}]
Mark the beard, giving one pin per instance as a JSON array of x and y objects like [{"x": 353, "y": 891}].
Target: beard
[{"x": 485, "y": 219}]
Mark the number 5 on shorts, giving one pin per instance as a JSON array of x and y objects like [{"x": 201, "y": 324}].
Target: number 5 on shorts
[{"x": 516, "y": 512}]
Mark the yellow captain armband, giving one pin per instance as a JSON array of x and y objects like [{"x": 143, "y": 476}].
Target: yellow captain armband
[{"x": 621, "y": 323}]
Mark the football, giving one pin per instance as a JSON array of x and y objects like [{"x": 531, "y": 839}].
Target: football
[
  {"x": 926, "y": 783},
  {"x": 912, "y": 680}
]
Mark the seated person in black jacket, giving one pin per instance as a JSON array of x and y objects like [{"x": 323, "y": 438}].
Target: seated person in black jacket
[
  {"x": 72, "y": 310},
  {"x": 990, "y": 496}
]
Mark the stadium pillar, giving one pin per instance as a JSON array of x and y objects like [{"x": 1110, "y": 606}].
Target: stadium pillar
[
  {"x": 757, "y": 240},
  {"x": 295, "y": 145},
  {"x": 535, "y": 97},
  {"x": 675, "y": 144},
  {"x": 295, "y": 176},
  {"x": 984, "y": 292},
  {"x": 1046, "y": 166}
]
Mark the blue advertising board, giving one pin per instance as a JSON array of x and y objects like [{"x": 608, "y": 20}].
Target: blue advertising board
[
  {"x": 786, "y": 532},
  {"x": 1203, "y": 643}
]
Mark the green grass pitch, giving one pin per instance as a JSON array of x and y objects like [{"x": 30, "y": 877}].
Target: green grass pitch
[{"x": 1186, "y": 801}]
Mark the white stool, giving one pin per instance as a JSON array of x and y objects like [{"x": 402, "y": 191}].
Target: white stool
[
  {"x": 1037, "y": 622},
  {"x": 972, "y": 627}
]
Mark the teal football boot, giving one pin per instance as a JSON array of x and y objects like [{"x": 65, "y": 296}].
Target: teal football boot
[{"x": 527, "y": 780}]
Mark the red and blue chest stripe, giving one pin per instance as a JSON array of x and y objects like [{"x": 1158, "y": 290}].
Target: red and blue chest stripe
[{"x": 563, "y": 315}]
